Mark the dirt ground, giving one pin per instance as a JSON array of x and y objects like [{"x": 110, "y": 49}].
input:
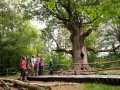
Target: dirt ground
[{"x": 61, "y": 87}]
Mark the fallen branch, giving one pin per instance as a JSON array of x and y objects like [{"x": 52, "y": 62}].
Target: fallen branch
[
  {"x": 63, "y": 84},
  {"x": 26, "y": 85},
  {"x": 4, "y": 84}
]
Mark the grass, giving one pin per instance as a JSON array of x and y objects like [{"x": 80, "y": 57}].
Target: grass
[
  {"x": 99, "y": 86},
  {"x": 18, "y": 74},
  {"x": 107, "y": 73}
]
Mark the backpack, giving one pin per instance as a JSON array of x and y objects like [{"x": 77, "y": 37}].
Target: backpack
[
  {"x": 35, "y": 66},
  {"x": 19, "y": 65}
]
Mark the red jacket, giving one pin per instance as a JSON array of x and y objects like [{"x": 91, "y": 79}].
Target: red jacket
[{"x": 23, "y": 64}]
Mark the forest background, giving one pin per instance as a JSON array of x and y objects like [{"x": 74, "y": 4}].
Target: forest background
[{"x": 19, "y": 37}]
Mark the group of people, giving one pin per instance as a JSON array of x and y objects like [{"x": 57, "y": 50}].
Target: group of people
[{"x": 36, "y": 66}]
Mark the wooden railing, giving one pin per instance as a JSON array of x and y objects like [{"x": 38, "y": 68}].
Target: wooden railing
[{"x": 9, "y": 71}]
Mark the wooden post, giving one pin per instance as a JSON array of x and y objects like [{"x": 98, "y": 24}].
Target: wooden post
[{"x": 7, "y": 71}]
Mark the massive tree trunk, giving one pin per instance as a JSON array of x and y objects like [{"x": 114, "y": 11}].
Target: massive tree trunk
[{"x": 79, "y": 52}]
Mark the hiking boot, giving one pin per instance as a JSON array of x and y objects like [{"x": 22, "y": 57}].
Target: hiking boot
[{"x": 25, "y": 80}]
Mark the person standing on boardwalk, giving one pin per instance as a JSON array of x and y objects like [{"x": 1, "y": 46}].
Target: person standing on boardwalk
[
  {"x": 41, "y": 66},
  {"x": 26, "y": 61},
  {"x": 27, "y": 66},
  {"x": 33, "y": 61},
  {"x": 36, "y": 67},
  {"x": 38, "y": 60},
  {"x": 23, "y": 69},
  {"x": 38, "y": 57},
  {"x": 51, "y": 66}
]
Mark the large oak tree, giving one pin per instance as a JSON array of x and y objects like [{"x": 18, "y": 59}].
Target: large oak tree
[{"x": 80, "y": 17}]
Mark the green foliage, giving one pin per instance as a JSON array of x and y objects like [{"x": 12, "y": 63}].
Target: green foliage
[
  {"x": 60, "y": 58},
  {"x": 107, "y": 73},
  {"x": 18, "y": 74},
  {"x": 17, "y": 38},
  {"x": 51, "y": 4},
  {"x": 99, "y": 86}
]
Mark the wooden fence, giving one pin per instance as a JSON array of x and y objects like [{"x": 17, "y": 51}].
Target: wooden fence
[{"x": 9, "y": 71}]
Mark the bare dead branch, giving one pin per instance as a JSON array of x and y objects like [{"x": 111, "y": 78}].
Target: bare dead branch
[
  {"x": 63, "y": 50},
  {"x": 56, "y": 42},
  {"x": 109, "y": 50},
  {"x": 106, "y": 50},
  {"x": 27, "y": 85}
]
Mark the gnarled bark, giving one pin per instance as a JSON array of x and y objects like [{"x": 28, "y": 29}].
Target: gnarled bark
[{"x": 79, "y": 52}]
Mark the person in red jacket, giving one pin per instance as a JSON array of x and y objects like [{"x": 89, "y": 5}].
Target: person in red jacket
[{"x": 23, "y": 69}]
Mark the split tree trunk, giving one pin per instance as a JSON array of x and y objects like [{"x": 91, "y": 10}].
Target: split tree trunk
[{"x": 79, "y": 52}]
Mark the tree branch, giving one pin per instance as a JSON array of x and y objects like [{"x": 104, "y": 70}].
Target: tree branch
[
  {"x": 63, "y": 50},
  {"x": 84, "y": 24},
  {"x": 55, "y": 14},
  {"x": 60, "y": 12},
  {"x": 84, "y": 35},
  {"x": 58, "y": 17},
  {"x": 91, "y": 49},
  {"x": 49, "y": 36},
  {"x": 106, "y": 50},
  {"x": 69, "y": 9},
  {"x": 66, "y": 7},
  {"x": 56, "y": 42}
]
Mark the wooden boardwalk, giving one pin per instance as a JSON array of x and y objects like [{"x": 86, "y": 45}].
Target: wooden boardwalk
[{"x": 109, "y": 79}]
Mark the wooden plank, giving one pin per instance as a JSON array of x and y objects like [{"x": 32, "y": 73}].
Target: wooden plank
[
  {"x": 118, "y": 77},
  {"x": 76, "y": 76},
  {"x": 111, "y": 79}
]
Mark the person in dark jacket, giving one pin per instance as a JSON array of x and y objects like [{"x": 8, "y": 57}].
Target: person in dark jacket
[{"x": 51, "y": 66}]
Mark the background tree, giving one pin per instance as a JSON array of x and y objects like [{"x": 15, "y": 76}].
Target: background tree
[{"x": 16, "y": 36}]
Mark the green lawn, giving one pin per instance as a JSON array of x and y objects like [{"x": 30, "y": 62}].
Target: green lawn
[{"x": 99, "y": 86}]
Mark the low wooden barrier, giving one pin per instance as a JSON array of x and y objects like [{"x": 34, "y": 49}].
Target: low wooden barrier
[
  {"x": 8, "y": 71},
  {"x": 15, "y": 70}
]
